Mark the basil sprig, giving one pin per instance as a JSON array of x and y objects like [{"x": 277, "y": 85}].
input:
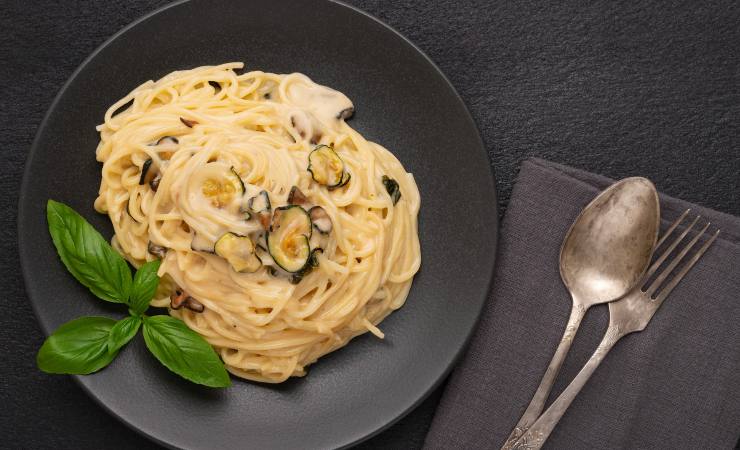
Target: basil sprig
[{"x": 88, "y": 344}]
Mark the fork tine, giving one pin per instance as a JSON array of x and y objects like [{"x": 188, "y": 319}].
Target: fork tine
[
  {"x": 679, "y": 276},
  {"x": 673, "y": 245},
  {"x": 677, "y": 259},
  {"x": 672, "y": 227}
]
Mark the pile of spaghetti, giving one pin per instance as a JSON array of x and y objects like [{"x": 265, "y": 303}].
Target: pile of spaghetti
[{"x": 282, "y": 232}]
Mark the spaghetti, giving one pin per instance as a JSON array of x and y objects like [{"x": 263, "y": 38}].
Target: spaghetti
[{"x": 198, "y": 169}]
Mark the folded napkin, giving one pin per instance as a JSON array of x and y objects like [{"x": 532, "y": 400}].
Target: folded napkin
[{"x": 676, "y": 385}]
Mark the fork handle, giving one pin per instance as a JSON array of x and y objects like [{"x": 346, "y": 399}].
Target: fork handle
[
  {"x": 537, "y": 405},
  {"x": 537, "y": 434}
]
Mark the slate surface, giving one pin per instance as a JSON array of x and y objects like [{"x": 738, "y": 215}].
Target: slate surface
[{"x": 617, "y": 88}]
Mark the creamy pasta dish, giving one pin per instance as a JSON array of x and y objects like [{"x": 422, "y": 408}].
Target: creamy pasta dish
[{"x": 282, "y": 232}]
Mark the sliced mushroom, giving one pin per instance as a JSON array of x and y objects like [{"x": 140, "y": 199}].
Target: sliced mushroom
[
  {"x": 346, "y": 113},
  {"x": 320, "y": 219},
  {"x": 315, "y": 138},
  {"x": 181, "y": 298},
  {"x": 264, "y": 218},
  {"x": 188, "y": 123},
  {"x": 194, "y": 305},
  {"x": 297, "y": 197},
  {"x": 177, "y": 299},
  {"x": 156, "y": 250},
  {"x": 154, "y": 184}
]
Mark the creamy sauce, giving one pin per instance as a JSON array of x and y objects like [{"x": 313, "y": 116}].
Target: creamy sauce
[{"x": 322, "y": 102}]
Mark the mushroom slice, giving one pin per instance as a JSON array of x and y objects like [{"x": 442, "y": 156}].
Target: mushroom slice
[
  {"x": 188, "y": 123},
  {"x": 297, "y": 197},
  {"x": 156, "y": 250},
  {"x": 181, "y": 298}
]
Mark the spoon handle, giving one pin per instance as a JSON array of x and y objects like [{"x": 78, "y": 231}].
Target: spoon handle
[
  {"x": 537, "y": 434},
  {"x": 537, "y": 405}
]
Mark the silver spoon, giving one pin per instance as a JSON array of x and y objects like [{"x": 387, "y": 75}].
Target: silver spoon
[{"x": 604, "y": 255}]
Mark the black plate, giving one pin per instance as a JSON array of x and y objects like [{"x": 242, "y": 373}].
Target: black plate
[{"x": 403, "y": 102}]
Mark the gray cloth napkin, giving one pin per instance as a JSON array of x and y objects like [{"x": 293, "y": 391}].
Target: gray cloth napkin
[{"x": 675, "y": 385}]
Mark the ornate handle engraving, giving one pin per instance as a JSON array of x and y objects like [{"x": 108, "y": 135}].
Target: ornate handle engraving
[
  {"x": 548, "y": 379},
  {"x": 535, "y": 436}
]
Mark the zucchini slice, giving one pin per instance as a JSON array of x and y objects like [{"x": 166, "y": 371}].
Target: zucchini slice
[
  {"x": 391, "y": 186},
  {"x": 313, "y": 262},
  {"x": 345, "y": 179},
  {"x": 221, "y": 191},
  {"x": 320, "y": 219},
  {"x": 326, "y": 166},
  {"x": 288, "y": 239},
  {"x": 239, "y": 252},
  {"x": 237, "y": 180}
]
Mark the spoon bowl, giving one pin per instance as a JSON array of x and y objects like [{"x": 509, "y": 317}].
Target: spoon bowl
[{"x": 608, "y": 248}]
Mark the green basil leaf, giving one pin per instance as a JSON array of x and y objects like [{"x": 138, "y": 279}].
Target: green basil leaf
[
  {"x": 77, "y": 347},
  {"x": 122, "y": 332},
  {"x": 145, "y": 284},
  {"x": 184, "y": 351},
  {"x": 87, "y": 255}
]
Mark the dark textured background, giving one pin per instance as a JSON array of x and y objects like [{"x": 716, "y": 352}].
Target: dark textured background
[{"x": 618, "y": 88}]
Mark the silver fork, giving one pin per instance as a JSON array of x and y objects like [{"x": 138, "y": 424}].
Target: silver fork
[{"x": 628, "y": 315}]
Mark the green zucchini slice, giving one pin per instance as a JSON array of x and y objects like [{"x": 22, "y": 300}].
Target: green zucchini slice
[
  {"x": 345, "y": 179},
  {"x": 326, "y": 166},
  {"x": 288, "y": 239},
  {"x": 313, "y": 262},
  {"x": 239, "y": 252},
  {"x": 237, "y": 181},
  {"x": 221, "y": 191}
]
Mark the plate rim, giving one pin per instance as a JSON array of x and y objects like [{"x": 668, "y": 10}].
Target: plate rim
[{"x": 26, "y": 180}]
